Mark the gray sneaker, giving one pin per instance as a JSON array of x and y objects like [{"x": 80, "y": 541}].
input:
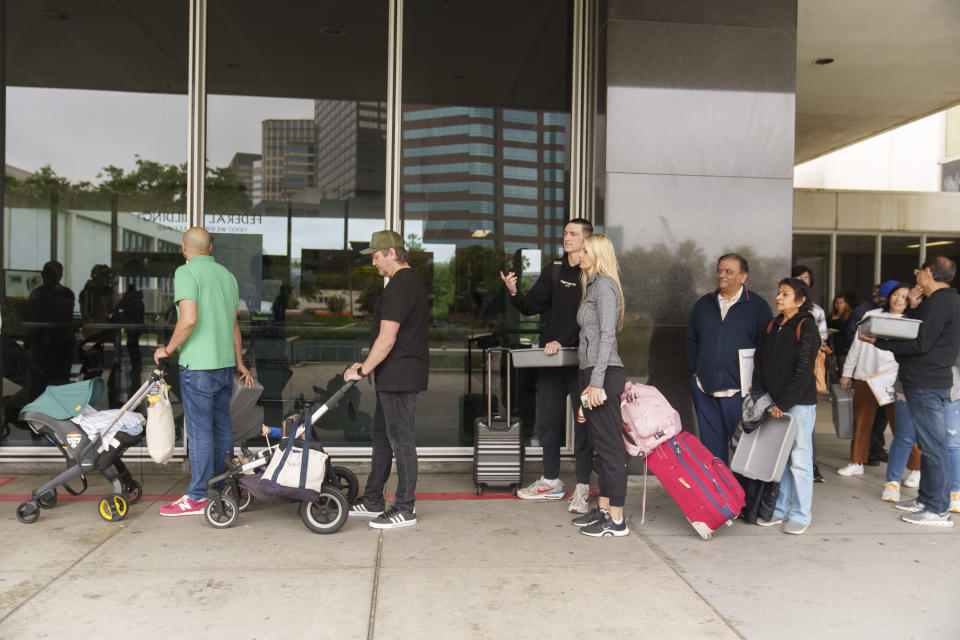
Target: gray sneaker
[
  {"x": 578, "y": 501},
  {"x": 928, "y": 518},
  {"x": 910, "y": 506},
  {"x": 794, "y": 527},
  {"x": 594, "y": 515}
]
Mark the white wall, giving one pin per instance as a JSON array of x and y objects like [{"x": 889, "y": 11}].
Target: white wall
[{"x": 904, "y": 159}]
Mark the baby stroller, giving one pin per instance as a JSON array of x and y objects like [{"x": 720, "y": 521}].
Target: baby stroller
[
  {"x": 90, "y": 440},
  {"x": 323, "y": 511}
]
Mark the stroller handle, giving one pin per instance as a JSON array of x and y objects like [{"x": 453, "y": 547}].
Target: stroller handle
[{"x": 332, "y": 401}]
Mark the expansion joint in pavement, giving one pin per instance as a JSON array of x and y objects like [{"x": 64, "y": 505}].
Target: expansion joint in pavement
[
  {"x": 667, "y": 560},
  {"x": 376, "y": 587}
]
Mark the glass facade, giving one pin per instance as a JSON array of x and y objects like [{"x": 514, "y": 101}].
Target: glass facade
[
  {"x": 95, "y": 151},
  {"x": 483, "y": 176}
]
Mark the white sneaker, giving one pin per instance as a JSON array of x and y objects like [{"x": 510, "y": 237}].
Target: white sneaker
[
  {"x": 891, "y": 492},
  {"x": 578, "y": 501},
  {"x": 542, "y": 489},
  {"x": 912, "y": 481},
  {"x": 955, "y": 501},
  {"x": 852, "y": 469}
]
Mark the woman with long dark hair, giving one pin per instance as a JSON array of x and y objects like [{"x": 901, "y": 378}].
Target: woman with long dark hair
[{"x": 783, "y": 367}]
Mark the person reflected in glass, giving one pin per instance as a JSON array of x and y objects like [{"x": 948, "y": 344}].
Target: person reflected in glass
[
  {"x": 52, "y": 343},
  {"x": 97, "y": 300},
  {"x": 601, "y": 381},
  {"x": 783, "y": 367},
  {"x": 132, "y": 313}
]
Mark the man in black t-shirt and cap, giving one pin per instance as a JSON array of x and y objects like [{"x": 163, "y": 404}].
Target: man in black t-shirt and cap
[{"x": 398, "y": 358}]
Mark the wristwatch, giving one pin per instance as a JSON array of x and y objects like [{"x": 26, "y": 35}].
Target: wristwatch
[{"x": 360, "y": 372}]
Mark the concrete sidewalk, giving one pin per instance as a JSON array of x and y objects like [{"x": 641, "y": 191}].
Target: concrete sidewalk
[{"x": 491, "y": 568}]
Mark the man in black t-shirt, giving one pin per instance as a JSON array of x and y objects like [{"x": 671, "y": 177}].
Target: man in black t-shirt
[
  {"x": 398, "y": 358},
  {"x": 557, "y": 292}
]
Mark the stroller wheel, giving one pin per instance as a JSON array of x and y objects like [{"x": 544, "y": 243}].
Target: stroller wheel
[
  {"x": 134, "y": 491},
  {"x": 48, "y": 500},
  {"x": 245, "y": 499},
  {"x": 28, "y": 512},
  {"x": 327, "y": 513},
  {"x": 346, "y": 482},
  {"x": 221, "y": 517},
  {"x": 112, "y": 507}
]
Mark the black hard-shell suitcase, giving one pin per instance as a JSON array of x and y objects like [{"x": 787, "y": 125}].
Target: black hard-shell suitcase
[{"x": 498, "y": 441}]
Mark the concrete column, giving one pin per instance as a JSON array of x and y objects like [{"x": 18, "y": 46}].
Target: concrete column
[{"x": 699, "y": 161}]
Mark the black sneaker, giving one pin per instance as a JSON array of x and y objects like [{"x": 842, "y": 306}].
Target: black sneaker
[
  {"x": 393, "y": 518},
  {"x": 605, "y": 527},
  {"x": 594, "y": 515},
  {"x": 816, "y": 474},
  {"x": 359, "y": 509}
]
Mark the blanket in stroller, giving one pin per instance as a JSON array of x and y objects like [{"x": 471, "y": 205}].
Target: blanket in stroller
[{"x": 75, "y": 402}]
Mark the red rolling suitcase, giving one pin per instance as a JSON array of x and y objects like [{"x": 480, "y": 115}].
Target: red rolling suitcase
[{"x": 703, "y": 486}]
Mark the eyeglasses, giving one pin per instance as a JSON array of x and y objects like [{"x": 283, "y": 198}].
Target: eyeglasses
[{"x": 916, "y": 272}]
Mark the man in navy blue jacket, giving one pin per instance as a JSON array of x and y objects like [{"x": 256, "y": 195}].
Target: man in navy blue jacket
[{"x": 721, "y": 323}]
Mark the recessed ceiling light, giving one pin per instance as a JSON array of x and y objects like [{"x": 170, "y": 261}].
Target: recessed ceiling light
[
  {"x": 823, "y": 61},
  {"x": 333, "y": 31},
  {"x": 54, "y": 14}
]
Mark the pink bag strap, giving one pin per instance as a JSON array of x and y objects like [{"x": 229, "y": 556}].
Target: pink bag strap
[{"x": 643, "y": 504}]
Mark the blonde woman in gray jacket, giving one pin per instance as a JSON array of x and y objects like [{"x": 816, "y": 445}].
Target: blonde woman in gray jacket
[{"x": 602, "y": 380}]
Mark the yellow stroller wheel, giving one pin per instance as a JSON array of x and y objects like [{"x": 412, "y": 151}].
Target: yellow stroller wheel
[{"x": 113, "y": 507}]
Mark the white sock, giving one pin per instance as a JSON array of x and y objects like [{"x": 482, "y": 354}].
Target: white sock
[
  {"x": 618, "y": 522},
  {"x": 550, "y": 482}
]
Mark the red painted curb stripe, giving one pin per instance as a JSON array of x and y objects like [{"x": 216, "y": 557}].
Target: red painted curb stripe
[{"x": 6, "y": 480}]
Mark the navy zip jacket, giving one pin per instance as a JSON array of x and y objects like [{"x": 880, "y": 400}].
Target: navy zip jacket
[
  {"x": 713, "y": 345},
  {"x": 927, "y": 360}
]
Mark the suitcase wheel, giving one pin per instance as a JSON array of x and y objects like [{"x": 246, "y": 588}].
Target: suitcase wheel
[
  {"x": 702, "y": 530},
  {"x": 729, "y": 523},
  {"x": 478, "y": 491}
]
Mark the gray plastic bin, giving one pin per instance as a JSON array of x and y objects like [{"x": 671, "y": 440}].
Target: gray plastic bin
[
  {"x": 887, "y": 326},
  {"x": 842, "y": 411},
  {"x": 565, "y": 357},
  {"x": 763, "y": 453}
]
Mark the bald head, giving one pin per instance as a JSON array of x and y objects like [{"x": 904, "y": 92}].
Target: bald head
[{"x": 196, "y": 241}]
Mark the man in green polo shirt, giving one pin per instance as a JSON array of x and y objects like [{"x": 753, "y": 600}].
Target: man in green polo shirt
[{"x": 208, "y": 337}]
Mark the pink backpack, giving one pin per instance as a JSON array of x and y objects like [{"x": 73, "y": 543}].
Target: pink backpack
[{"x": 648, "y": 419}]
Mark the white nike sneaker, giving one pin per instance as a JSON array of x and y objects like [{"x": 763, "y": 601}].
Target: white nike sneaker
[{"x": 542, "y": 489}]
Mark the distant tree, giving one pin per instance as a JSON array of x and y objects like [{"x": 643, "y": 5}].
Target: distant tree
[{"x": 336, "y": 304}]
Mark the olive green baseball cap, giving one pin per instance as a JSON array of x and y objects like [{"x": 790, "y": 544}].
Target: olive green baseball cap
[{"x": 385, "y": 239}]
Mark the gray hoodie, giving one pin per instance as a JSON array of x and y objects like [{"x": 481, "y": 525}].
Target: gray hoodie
[{"x": 598, "y": 316}]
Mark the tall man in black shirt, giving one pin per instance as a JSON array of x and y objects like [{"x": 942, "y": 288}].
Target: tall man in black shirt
[
  {"x": 926, "y": 373},
  {"x": 557, "y": 292},
  {"x": 399, "y": 359}
]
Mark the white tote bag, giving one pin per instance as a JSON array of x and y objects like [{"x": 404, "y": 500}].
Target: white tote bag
[{"x": 160, "y": 429}]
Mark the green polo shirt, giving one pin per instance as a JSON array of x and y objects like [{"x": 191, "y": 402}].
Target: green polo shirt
[{"x": 214, "y": 289}]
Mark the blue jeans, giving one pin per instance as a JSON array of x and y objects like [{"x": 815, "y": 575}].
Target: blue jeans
[
  {"x": 928, "y": 408},
  {"x": 796, "y": 486},
  {"x": 392, "y": 435},
  {"x": 206, "y": 417},
  {"x": 953, "y": 444},
  {"x": 717, "y": 418},
  {"x": 903, "y": 440}
]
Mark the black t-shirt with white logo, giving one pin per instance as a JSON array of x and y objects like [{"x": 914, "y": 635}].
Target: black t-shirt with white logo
[{"x": 404, "y": 300}]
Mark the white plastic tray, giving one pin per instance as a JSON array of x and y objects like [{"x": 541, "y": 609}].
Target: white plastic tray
[
  {"x": 887, "y": 326},
  {"x": 565, "y": 357}
]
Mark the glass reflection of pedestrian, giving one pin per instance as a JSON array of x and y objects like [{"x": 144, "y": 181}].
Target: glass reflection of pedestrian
[
  {"x": 96, "y": 303},
  {"x": 278, "y": 312},
  {"x": 131, "y": 312},
  {"x": 51, "y": 344}
]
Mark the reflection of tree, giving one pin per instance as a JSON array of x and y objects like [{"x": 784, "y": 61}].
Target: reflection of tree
[
  {"x": 149, "y": 186},
  {"x": 478, "y": 291},
  {"x": 336, "y": 304}
]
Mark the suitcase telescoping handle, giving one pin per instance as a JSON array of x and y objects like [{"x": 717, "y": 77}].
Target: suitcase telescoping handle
[{"x": 507, "y": 365}]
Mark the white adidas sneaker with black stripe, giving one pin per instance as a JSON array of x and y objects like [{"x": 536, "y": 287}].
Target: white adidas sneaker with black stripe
[{"x": 393, "y": 518}]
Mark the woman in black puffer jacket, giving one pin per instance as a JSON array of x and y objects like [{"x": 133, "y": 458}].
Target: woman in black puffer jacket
[{"x": 783, "y": 367}]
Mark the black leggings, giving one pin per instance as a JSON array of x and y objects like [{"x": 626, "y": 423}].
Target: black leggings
[{"x": 606, "y": 434}]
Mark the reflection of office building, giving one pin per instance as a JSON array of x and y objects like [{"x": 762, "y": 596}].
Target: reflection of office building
[
  {"x": 351, "y": 146},
  {"x": 485, "y": 176},
  {"x": 288, "y": 158},
  {"x": 256, "y": 191},
  {"x": 242, "y": 166}
]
